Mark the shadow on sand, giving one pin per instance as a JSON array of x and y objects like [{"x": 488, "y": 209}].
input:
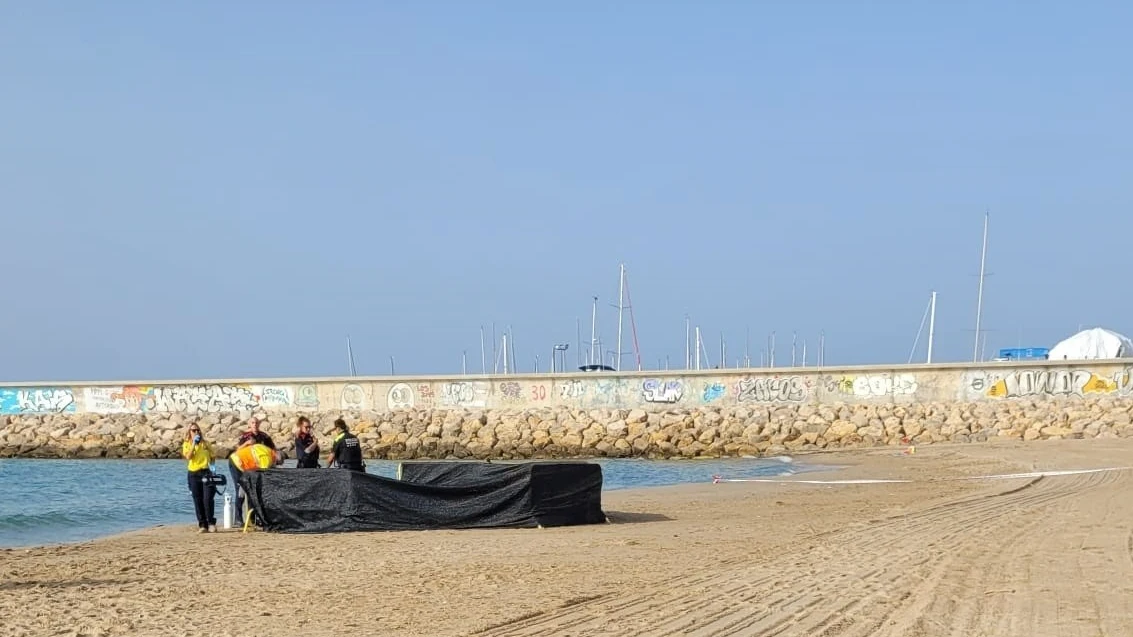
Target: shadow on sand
[
  {"x": 11, "y": 585},
  {"x": 628, "y": 517}
]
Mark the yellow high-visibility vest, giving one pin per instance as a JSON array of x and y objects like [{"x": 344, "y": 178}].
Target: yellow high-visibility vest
[{"x": 253, "y": 457}]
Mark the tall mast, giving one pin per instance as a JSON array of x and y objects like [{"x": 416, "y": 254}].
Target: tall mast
[
  {"x": 931, "y": 326},
  {"x": 697, "y": 347},
  {"x": 688, "y": 344},
  {"x": 621, "y": 305},
  {"x": 633, "y": 324},
  {"x": 511, "y": 349},
  {"x": 747, "y": 347},
  {"x": 578, "y": 335},
  {"x": 594, "y": 333},
  {"x": 350, "y": 358},
  {"x": 483, "y": 358},
  {"x": 980, "y": 298}
]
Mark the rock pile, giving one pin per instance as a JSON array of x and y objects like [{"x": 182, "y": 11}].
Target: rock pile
[{"x": 565, "y": 432}]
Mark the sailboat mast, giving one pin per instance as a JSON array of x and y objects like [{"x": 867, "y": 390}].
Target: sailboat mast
[
  {"x": 578, "y": 335},
  {"x": 594, "y": 332},
  {"x": 723, "y": 352},
  {"x": 621, "y": 306},
  {"x": 931, "y": 326},
  {"x": 511, "y": 340},
  {"x": 504, "y": 347},
  {"x": 980, "y": 298},
  {"x": 747, "y": 347},
  {"x": 633, "y": 325},
  {"x": 688, "y": 343},
  {"x": 698, "y": 347},
  {"x": 483, "y": 358}
]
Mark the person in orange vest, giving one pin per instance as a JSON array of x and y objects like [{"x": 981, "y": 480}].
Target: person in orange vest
[{"x": 253, "y": 457}]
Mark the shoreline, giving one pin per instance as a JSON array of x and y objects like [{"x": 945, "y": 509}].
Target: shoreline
[
  {"x": 929, "y": 557},
  {"x": 847, "y": 461},
  {"x": 624, "y": 479}
]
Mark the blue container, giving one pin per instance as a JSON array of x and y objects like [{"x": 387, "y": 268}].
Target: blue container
[{"x": 1025, "y": 353}]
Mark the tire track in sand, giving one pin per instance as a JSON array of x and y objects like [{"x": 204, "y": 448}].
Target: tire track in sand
[{"x": 865, "y": 581}]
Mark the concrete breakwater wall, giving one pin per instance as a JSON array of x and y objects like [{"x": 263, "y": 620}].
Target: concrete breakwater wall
[{"x": 683, "y": 414}]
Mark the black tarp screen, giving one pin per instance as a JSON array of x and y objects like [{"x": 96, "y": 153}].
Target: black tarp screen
[
  {"x": 521, "y": 495},
  {"x": 561, "y": 492}
]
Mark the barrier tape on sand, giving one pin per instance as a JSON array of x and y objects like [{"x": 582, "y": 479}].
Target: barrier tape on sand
[{"x": 1002, "y": 476}]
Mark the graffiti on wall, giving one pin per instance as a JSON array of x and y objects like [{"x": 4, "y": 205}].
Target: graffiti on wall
[
  {"x": 307, "y": 397},
  {"x": 605, "y": 392},
  {"x": 510, "y": 391},
  {"x": 571, "y": 389},
  {"x": 656, "y": 390},
  {"x": 275, "y": 396},
  {"x": 36, "y": 400},
  {"x": 769, "y": 389},
  {"x": 464, "y": 394},
  {"x": 205, "y": 398},
  {"x": 872, "y": 385},
  {"x": 118, "y": 400},
  {"x": 712, "y": 392},
  {"x": 187, "y": 398},
  {"x": 1046, "y": 382},
  {"x": 400, "y": 396},
  {"x": 353, "y": 397}
]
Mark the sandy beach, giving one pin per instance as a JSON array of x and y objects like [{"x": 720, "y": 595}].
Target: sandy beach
[{"x": 1032, "y": 556}]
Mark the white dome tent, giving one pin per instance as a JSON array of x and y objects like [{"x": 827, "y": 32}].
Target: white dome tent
[{"x": 1092, "y": 344}]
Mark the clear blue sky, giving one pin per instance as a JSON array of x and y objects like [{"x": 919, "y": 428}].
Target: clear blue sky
[{"x": 228, "y": 189}]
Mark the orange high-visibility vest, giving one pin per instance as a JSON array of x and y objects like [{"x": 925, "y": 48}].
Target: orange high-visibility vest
[{"x": 253, "y": 457}]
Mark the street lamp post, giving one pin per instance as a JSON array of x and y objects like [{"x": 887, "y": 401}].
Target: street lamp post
[{"x": 559, "y": 347}]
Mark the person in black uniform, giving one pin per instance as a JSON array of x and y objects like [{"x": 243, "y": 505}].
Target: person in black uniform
[
  {"x": 347, "y": 450},
  {"x": 306, "y": 445}
]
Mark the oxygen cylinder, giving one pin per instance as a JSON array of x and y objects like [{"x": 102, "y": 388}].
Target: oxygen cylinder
[{"x": 228, "y": 512}]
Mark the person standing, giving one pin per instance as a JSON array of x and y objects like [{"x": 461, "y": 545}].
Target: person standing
[
  {"x": 347, "y": 450},
  {"x": 199, "y": 455},
  {"x": 251, "y": 436},
  {"x": 306, "y": 445}
]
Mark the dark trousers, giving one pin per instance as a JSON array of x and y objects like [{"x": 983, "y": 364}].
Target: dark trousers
[
  {"x": 204, "y": 499},
  {"x": 237, "y": 493}
]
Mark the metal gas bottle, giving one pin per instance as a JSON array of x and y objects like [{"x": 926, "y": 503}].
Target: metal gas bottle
[{"x": 229, "y": 513}]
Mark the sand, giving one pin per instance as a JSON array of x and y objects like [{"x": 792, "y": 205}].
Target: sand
[{"x": 1031, "y": 557}]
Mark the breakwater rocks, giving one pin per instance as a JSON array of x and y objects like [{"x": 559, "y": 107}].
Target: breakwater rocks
[{"x": 561, "y": 432}]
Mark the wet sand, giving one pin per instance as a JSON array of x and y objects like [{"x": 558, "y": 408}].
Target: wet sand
[{"x": 1032, "y": 556}]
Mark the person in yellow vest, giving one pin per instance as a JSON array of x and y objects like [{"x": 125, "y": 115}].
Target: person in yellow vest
[
  {"x": 199, "y": 455},
  {"x": 253, "y": 457}
]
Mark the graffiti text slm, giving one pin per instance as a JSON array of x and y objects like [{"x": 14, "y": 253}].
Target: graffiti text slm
[{"x": 655, "y": 390}]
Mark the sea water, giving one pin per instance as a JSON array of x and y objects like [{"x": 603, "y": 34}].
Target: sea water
[{"x": 55, "y": 501}]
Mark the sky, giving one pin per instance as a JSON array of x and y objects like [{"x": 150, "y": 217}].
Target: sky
[{"x": 225, "y": 190}]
